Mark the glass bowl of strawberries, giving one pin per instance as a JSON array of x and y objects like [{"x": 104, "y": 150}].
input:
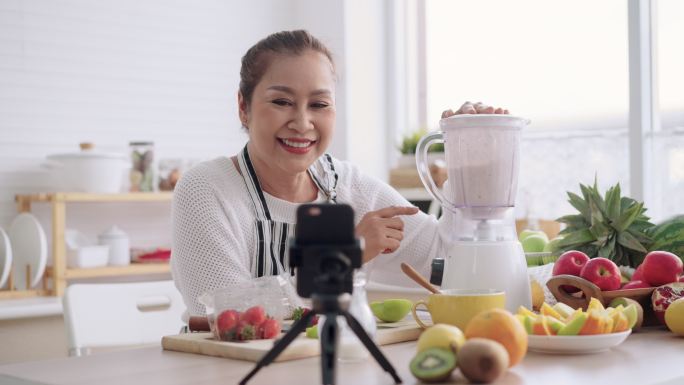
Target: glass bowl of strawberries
[{"x": 249, "y": 311}]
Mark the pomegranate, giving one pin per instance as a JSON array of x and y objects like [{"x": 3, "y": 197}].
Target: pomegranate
[{"x": 663, "y": 296}]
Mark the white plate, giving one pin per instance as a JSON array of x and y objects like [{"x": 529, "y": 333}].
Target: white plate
[
  {"x": 576, "y": 344},
  {"x": 5, "y": 257},
  {"x": 29, "y": 248}
]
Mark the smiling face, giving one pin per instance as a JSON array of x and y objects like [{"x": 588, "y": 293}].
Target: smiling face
[{"x": 291, "y": 116}]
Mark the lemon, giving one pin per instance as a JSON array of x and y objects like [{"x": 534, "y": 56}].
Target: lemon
[
  {"x": 441, "y": 336},
  {"x": 674, "y": 317}
]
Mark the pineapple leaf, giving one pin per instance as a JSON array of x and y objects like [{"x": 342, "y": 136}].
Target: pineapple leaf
[
  {"x": 614, "y": 227},
  {"x": 598, "y": 199},
  {"x": 641, "y": 225},
  {"x": 607, "y": 250},
  {"x": 596, "y": 213},
  {"x": 613, "y": 203},
  {"x": 575, "y": 220},
  {"x": 577, "y": 238},
  {"x": 628, "y": 217},
  {"x": 627, "y": 240},
  {"x": 626, "y": 202},
  {"x": 640, "y": 236},
  {"x": 600, "y": 231},
  {"x": 580, "y": 204}
]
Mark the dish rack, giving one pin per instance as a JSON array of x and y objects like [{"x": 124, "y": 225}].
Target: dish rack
[{"x": 55, "y": 278}]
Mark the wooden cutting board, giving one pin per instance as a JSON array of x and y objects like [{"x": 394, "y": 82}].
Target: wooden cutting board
[{"x": 301, "y": 347}]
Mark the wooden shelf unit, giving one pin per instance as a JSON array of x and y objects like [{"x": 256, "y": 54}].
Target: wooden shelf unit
[{"x": 58, "y": 273}]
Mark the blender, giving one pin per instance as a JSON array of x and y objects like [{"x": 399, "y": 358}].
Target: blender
[{"x": 481, "y": 246}]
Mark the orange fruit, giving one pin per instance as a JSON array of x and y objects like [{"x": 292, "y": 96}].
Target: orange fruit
[{"x": 501, "y": 326}]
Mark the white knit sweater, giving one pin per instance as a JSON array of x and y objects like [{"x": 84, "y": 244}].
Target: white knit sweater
[{"x": 213, "y": 237}]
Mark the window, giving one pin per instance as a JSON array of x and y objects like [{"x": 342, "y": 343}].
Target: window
[
  {"x": 669, "y": 136},
  {"x": 565, "y": 66}
]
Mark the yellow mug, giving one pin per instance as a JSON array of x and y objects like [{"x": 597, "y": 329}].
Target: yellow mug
[{"x": 458, "y": 306}]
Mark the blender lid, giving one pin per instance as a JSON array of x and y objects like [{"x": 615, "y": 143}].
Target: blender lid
[{"x": 504, "y": 121}]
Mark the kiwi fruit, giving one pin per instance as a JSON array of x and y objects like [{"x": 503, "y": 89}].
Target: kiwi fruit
[
  {"x": 433, "y": 365},
  {"x": 482, "y": 360}
]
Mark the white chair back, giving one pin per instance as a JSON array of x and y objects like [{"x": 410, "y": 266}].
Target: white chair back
[{"x": 120, "y": 314}]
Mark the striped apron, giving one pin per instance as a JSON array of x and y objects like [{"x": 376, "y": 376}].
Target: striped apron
[{"x": 271, "y": 256}]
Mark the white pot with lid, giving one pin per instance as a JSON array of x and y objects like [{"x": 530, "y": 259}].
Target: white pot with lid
[
  {"x": 88, "y": 170},
  {"x": 119, "y": 248}
]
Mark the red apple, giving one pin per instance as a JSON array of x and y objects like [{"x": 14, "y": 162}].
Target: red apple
[
  {"x": 681, "y": 279},
  {"x": 638, "y": 274},
  {"x": 571, "y": 262},
  {"x": 661, "y": 267},
  {"x": 663, "y": 296},
  {"x": 603, "y": 273},
  {"x": 636, "y": 285}
]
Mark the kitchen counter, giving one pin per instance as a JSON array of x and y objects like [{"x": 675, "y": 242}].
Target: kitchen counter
[
  {"x": 649, "y": 357},
  {"x": 30, "y": 307}
]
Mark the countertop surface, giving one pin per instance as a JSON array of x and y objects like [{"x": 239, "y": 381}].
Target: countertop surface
[
  {"x": 654, "y": 356},
  {"x": 30, "y": 307}
]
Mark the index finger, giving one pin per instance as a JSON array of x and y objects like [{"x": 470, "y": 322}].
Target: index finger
[{"x": 391, "y": 211}]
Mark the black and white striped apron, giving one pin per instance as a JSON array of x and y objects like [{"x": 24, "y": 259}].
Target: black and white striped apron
[{"x": 271, "y": 256}]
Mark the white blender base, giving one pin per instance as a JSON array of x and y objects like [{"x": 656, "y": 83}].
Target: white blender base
[{"x": 499, "y": 265}]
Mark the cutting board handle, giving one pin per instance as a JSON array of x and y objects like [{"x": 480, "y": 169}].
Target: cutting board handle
[
  {"x": 198, "y": 324},
  {"x": 556, "y": 286}
]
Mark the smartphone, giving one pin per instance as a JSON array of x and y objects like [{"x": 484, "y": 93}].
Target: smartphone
[{"x": 324, "y": 251}]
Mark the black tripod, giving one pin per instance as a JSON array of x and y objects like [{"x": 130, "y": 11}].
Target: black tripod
[{"x": 331, "y": 306}]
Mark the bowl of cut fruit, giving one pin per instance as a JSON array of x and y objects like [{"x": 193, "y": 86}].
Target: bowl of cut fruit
[{"x": 563, "y": 330}]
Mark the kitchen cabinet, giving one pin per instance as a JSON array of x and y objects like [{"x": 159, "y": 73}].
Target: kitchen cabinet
[{"x": 59, "y": 274}]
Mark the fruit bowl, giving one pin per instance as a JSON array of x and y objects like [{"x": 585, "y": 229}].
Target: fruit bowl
[
  {"x": 576, "y": 344},
  {"x": 589, "y": 290}
]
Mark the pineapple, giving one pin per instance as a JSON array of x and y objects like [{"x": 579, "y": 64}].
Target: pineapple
[{"x": 613, "y": 228}]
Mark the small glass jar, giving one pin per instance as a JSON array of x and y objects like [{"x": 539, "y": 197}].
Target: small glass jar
[
  {"x": 142, "y": 174},
  {"x": 350, "y": 348}
]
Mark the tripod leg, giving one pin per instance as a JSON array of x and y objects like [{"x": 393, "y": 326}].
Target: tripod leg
[
  {"x": 329, "y": 348},
  {"x": 280, "y": 345},
  {"x": 370, "y": 345}
]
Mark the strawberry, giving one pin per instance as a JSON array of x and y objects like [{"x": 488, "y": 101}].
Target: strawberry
[
  {"x": 301, "y": 312},
  {"x": 245, "y": 332},
  {"x": 227, "y": 320},
  {"x": 254, "y": 316},
  {"x": 269, "y": 328}
]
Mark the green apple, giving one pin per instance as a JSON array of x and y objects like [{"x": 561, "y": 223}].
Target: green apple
[
  {"x": 552, "y": 244},
  {"x": 312, "y": 332},
  {"x": 391, "y": 310},
  {"x": 534, "y": 243},
  {"x": 526, "y": 233},
  {"x": 632, "y": 314},
  {"x": 573, "y": 327},
  {"x": 630, "y": 307}
]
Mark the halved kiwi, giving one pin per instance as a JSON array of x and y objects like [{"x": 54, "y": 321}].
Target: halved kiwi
[{"x": 433, "y": 365}]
